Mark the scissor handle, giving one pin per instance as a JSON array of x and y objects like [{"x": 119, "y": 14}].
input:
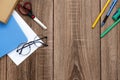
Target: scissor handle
[
  {"x": 28, "y": 6},
  {"x": 22, "y": 10},
  {"x": 25, "y": 9}
]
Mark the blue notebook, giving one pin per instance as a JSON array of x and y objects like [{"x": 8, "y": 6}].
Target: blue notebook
[{"x": 11, "y": 36}]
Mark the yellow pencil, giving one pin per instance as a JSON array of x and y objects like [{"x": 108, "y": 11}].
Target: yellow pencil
[{"x": 101, "y": 13}]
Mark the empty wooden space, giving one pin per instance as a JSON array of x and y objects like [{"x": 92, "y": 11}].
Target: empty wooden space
[{"x": 75, "y": 51}]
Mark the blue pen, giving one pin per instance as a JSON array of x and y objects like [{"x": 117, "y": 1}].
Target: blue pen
[{"x": 109, "y": 12}]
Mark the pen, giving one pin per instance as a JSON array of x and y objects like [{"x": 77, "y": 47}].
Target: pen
[
  {"x": 101, "y": 13},
  {"x": 109, "y": 28},
  {"x": 109, "y": 12}
]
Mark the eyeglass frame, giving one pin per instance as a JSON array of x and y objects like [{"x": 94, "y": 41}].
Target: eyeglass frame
[{"x": 28, "y": 44}]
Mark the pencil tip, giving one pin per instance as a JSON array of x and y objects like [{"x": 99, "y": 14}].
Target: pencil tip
[{"x": 92, "y": 27}]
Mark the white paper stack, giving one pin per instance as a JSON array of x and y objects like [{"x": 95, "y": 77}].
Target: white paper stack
[{"x": 30, "y": 34}]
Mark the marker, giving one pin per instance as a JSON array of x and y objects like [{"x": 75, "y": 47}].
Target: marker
[
  {"x": 116, "y": 18},
  {"x": 101, "y": 13},
  {"x": 109, "y": 12},
  {"x": 109, "y": 28}
]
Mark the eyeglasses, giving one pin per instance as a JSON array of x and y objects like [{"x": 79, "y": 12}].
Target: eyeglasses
[{"x": 25, "y": 48}]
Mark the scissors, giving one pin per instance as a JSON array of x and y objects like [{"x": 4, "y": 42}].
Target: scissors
[{"x": 26, "y": 9}]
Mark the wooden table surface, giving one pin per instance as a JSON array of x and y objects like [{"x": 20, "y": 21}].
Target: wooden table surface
[{"x": 75, "y": 51}]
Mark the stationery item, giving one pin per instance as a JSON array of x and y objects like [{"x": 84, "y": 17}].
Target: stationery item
[
  {"x": 26, "y": 9},
  {"x": 25, "y": 48},
  {"x": 101, "y": 13},
  {"x": 30, "y": 34},
  {"x": 116, "y": 15},
  {"x": 11, "y": 36},
  {"x": 116, "y": 18},
  {"x": 6, "y": 8},
  {"x": 109, "y": 12},
  {"x": 109, "y": 28}
]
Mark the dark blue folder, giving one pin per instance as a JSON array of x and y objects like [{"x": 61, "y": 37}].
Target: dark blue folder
[{"x": 11, "y": 36}]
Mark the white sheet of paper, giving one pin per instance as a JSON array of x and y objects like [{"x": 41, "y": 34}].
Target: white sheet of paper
[{"x": 17, "y": 58}]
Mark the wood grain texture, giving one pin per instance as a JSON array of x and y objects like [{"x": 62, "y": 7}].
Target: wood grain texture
[
  {"x": 110, "y": 49},
  {"x": 76, "y": 45},
  {"x": 75, "y": 51},
  {"x": 3, "y": 70}
]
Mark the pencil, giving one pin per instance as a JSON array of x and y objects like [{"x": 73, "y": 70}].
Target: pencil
[{"x": 101, "y": 13}]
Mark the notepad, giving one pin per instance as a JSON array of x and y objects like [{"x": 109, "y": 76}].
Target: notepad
[
  {"x": 11, "y": 36},
  {"x": 6, "y": 8},
  {"x": 15, "y": 57}
]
